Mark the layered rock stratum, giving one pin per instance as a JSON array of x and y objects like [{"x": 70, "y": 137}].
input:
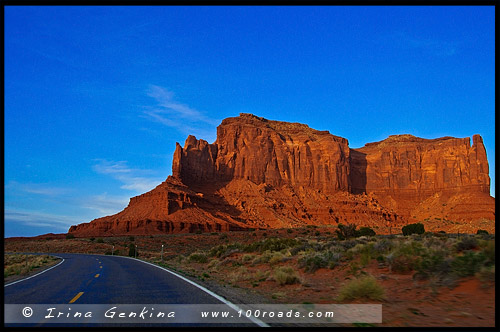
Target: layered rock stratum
[{"x": 261, "y": 173}]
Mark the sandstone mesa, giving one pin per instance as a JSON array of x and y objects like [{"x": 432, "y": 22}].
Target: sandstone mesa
[{"x": 261, "y": 173}]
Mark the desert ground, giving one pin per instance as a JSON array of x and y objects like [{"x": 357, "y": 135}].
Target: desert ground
[{"x": 430, "y": 279}]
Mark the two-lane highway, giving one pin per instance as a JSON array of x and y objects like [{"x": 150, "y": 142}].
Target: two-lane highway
[{"x": 99, "y": 279}]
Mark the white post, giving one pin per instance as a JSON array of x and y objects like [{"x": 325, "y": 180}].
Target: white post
[
  {"x": 136, "y": 251},
  {"x": 112, "y": 251},
  {"x": 162, "y": 253}
]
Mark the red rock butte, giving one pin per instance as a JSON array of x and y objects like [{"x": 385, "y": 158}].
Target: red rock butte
[{"x": 261, "y": 173}]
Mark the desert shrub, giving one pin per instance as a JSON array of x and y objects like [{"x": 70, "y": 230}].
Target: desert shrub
[
  {"x": 276, "y": 258},
  {"x": 468, "y": 264},
  {"x": 364, "y": 287},
  {"x": 348, "y": 244},
  {"x": 224, "y": 250},
  {"x": 402, "y": 263},
  {"x": 264, "y": 258},
  {"x": 92, "y": 239},
  {"x": 317, "y": 260},
  {"x": 198, "y": 231},
  {"x": 70, "y": 236},
  {"x": 345, "y": 232},
  {"x": 486, "y": 273},
  {"x": 433, "y": 263},
  {"x": 271, "y": 244},
  {"x": 312, "y": 262},
  {"x": 289, "y": 231},
  {"x": 198, "y": 257},
  {"x": 417, "y": 228},
  {"x": 489, "y": 253},
  {"x": 482, "y": 231},
  {"x": 286, "y": 276},
  {"x": 405, "y": 257},
  {"x": 246, "y": 258},
  {"x": 365, "y": 231},
  {"x": 239, "y": 275},
  {"x": 383, "y": 246},
  {"x": 99, "y": 240},
  {"x": 132, "y": 250},
  {"x": 466, "y": 243},
  {"x": 298, "y": 248},
  {"x": 260, "y": 276},
  {"x": 131, "y": 238}
]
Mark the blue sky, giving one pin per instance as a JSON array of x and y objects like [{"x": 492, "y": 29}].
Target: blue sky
[{"x": 96, "y": 97}]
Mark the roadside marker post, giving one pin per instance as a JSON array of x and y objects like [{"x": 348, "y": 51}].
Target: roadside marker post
[
  {"x": 162, "y": 253},
  {"x": 136, "y": 251},
  {"x": 112, "y": 250}
]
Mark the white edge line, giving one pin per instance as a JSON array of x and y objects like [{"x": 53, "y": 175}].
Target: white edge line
[
  {"x": 50, "y": 268},
  {"x": 218, "y": 297}
]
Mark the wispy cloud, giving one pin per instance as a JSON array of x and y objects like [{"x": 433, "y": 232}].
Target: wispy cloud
[
  {"x": 430, "y": 46},
  {"x": 40, "y": 219},
  {"x": 105, "y": 203},
  {"x": 139, "y": 180},
  {"x": 174, "y": 114},
  {"x": 43, "y": 189}
]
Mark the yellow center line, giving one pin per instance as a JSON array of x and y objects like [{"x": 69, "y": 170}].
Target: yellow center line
[
  {"x": 96, "y": 276},
  {"x": 76, "y": 297},
  {"x": 100, "y": 267}
]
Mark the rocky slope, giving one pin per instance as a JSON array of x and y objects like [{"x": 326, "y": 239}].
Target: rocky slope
[{"x": 271, "y": 174}]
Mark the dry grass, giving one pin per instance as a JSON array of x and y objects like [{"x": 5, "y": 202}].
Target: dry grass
[
  {"x": 19, "y": 264},
  {"x": 362, "y": 288}
]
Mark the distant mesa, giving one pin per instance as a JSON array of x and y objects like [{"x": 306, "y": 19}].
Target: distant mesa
[{"x": 261, "y": 173}]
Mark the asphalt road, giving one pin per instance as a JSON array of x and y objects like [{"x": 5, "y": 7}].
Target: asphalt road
[{"x": 99, "y": 279}]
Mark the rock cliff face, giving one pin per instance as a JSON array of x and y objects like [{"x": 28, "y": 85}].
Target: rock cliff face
[
  {"x": 262, "y": 173},
  {"x": 403, "y": 171},
  {"x": 263, "y": 151}
]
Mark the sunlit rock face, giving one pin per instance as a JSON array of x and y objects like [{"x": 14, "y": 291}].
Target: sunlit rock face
[{"x": 272, "y": 174}]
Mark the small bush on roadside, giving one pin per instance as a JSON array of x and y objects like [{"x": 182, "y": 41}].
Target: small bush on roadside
[
  {"x": 468, "y": 264},
  {"x": 482, "y": 231},
  {"x": 416, "y": 228},
  {"x": 286, "y": 276},
  {"x": 433, "y": 263},
  {"x": 489, "y": 253},
  {"x": 198, "y": 257},
  {"x": 466, "y": 243},
  {"x": 70, "y": 236},
  {"x": 276, "y": 258},
  {"x": 99, "y": 240},
  {"x": 486, "y": 273},
  {"x": 132, "y": 250},
  {"x": 364, "y": 287}
]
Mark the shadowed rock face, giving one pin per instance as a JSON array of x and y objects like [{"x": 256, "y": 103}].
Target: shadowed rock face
[{"x": 262, "y": 173}]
